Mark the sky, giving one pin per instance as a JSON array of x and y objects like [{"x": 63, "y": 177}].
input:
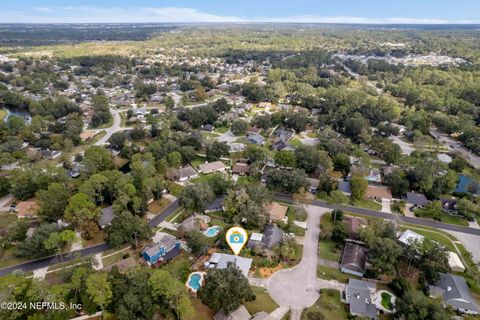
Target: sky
[{"x": 297, "y": 11}]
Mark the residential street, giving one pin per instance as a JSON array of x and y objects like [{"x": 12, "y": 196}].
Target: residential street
[
  {"x": 297, "y": 287},
  {"x": 51, "y": 260},
  {"x": 114, "y": 128},
  {"x": 456, "y": 147}
]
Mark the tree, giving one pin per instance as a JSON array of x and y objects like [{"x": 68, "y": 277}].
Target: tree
[
  {"x": 239, "y": 127},
  {"x": 97, "y": 159},
  {"x": 225, "y": 289},
  {"x": 414, "y": 305},
  {"x": 383, "y": 255},
  {"x": 34, "y": 246},
  {"x": 289, "y": 251},
  {"x": 397, "y": 182},
  {"x": 217, "y": 150},
  {"x": 99, "y": 289},
  {"x": 254, "y": 153},
  {"x": 341, "y": 162},
  {"x": 285, "y": 158},
  {"x": 59, "y": 240},
  {"x": 197, "y": 243},
  {"x": 169, "y": 102},
  {"x": 81, "y": 209},
  {"x": 196, "y": 196},
  {"x": 308, "y": 158},
  {"x": 288, "y": 181},
  {"x": 339, "y": 232},
  {"x": 174, "y": 159},
  {"x": 165, "y": 288},
  {"x": 242, "y": 207},
  {"x": 53, "y": 201},
  {"x": 358, "y": 186},
  {"x": 126, "y": 228}
]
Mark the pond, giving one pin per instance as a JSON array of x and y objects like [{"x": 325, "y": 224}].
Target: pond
[{"x": 25, "y": 115}]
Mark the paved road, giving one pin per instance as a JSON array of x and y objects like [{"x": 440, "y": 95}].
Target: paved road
[
  {"x": 114, "y": 128},
  {"x": 296, "y": 288},
  {"x": 51, "y": 260},
  {"x": 406, "y": 148},
  {"x": 456, "y": 146},
  {"x": 389, "y": 216}
]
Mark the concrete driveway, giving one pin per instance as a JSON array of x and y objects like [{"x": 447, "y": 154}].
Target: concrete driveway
[{"x": 297, "y": 287}]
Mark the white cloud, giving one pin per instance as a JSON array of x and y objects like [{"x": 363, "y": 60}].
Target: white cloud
[{"x": 89, "y": 14}]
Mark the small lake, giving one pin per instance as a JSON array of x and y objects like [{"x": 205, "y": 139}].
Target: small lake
[{"x": 25, "y": 115}]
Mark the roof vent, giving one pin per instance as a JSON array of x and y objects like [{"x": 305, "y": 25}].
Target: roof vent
[{"x": 449, "y": 288}]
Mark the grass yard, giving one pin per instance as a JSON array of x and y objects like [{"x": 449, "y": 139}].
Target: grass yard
[
  {"x": 434, "y": 235},
  {"x": 3, "y": 114},
  {"x": 6, "y": 219},
  {"x": 368, "y": 204},
  {"x": 201, "y": 311},
  {"x": 158, "y": 205},
  {"x": 179, "y": 267},
  {"x": 107, "y": 261},
  {"x": 328, "y": 273},
  {"x": 328, "y": 306},
  {"x": 295, "y": 143},
  {"x": 8, "y": 257},
  {"x": 174, "y": 189},
  {"x": 263, "y": 302},
  {"x": 447, "y": 218},
  {"x": 328, "y": 250}
]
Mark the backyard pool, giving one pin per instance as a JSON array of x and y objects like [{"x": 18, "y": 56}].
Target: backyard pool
[
  {"x": 212, "y": 231},
  {"x": 195, "y": 281}
]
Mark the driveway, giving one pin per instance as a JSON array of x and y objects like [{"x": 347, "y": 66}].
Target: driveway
[
  {"x": 386, "y": 205},
  {"x": 297, "y": 287},
  {"x": 406, "y": 147},
  {"x": 227, "y": 137}
]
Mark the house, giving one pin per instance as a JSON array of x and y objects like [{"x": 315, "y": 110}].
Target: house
[
  {"x": 185, "y": 173},
  {"x": 408, "y": 237},
  {"x": 255, "y": 138},
  {"x": 241, "y": 313},
  {"x": 313, "y": 185},
  {"x": 445, "y": 158},
  {"x": 378, "y": 193},
  {"x": 450, "y": 206},
  {"x": 454, "y": 293},
  {"x": 277, "y": 212},
  {"x": 216, "y": 205},
  {"x": 388, "y": 170},
  {"x": 416, "y": 200},
  {"x": 27, "y": 208},
  {"x": 106, "y": 217},
  {"x": 236, "y": 147},
  {"x": 455, "y": 263},
  {"x": 271, "y": 236},
  {"x": 139, "y": 112},
  {"x": 354, "y": 259},
  {"x": 167, "y": 248},
  {"x": 280, "y": 145},
  {"x": 212, "y": 167},
  {"x": 208, "y": 128},
  {"x": 265, "y": 105},
  {"x": 47, "y": 154},
  {"x": 354, "y": 225},
  {"x": 344, "y": 187},
  {"x": 195, "y": 222},
  {"x": 283, "y": 135},
  {"x": 241, "y": 169},
  {"x": 359, "y": 296},
  {"x": 222, "y": 261},
  {"x": 87, "y": 134}
]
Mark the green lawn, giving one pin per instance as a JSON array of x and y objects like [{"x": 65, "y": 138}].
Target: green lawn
[
  {"x": 107, "y": 261},
  {"x": 328, "y": 306},
  {"x": 295, "y": 143},
  {"x": 3, "y": 114},
  {"x": 446, "y": 218},
  {"x": 328, "y": 250},
  {"x": 174, "y": 189},
  {"x": 387, "y": 301},
  {"x": 179, "y": 267},
  {"x": 328, "y": 273},
  {"x": 368, "y": 204},
  {"x": 6, "y": 219},
  {"x": 263, "y": 302}
]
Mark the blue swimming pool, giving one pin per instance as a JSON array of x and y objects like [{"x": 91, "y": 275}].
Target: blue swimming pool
[
  {"x": 212, "y": 231},
  {"x": 195, "y": 281}
]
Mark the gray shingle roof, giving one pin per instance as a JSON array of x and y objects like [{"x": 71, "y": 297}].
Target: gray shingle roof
[
  {"x": 106, "y": 217},
  {"x": 360, "y": 298},
  {"x": 454, "y": 292},
  {"x": 417, "y": 199}
]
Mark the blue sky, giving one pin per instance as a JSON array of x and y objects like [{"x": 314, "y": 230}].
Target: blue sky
[{"x": 334, "y": 11}]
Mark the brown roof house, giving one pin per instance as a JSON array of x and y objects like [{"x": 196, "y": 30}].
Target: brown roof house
[
  {"x": 378, "y": 193},
  {"x": 27, "y": 208},
  {"x": 241, "y": 169},
  {"x": 212, "y": 167},
  {"x": 277, "y": 212},
  {"x": 354, "y": 226},
  {"x": 354, "y": 259}
]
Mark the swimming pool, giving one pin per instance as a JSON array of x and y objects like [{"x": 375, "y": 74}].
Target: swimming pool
[
  {"x": 212, "y": 231},
  {"x": 195, "y": 281}
]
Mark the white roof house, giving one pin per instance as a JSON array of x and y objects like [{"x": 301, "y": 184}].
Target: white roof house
[
  {"x": 256, "y": 236},
  {"x": 222, "y": 261},
  {"x": 455, "y": 263},
  {"x": 409, "y": 236}
]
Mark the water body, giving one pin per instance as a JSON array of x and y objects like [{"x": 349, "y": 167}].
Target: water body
[{"x": 25, "y": 115}]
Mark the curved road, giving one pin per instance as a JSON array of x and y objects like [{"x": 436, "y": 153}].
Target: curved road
[
  {"x": 51, "y": 260},
  {"x": 116, "y": 126},
  {"x": 296, "y": 288}
]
